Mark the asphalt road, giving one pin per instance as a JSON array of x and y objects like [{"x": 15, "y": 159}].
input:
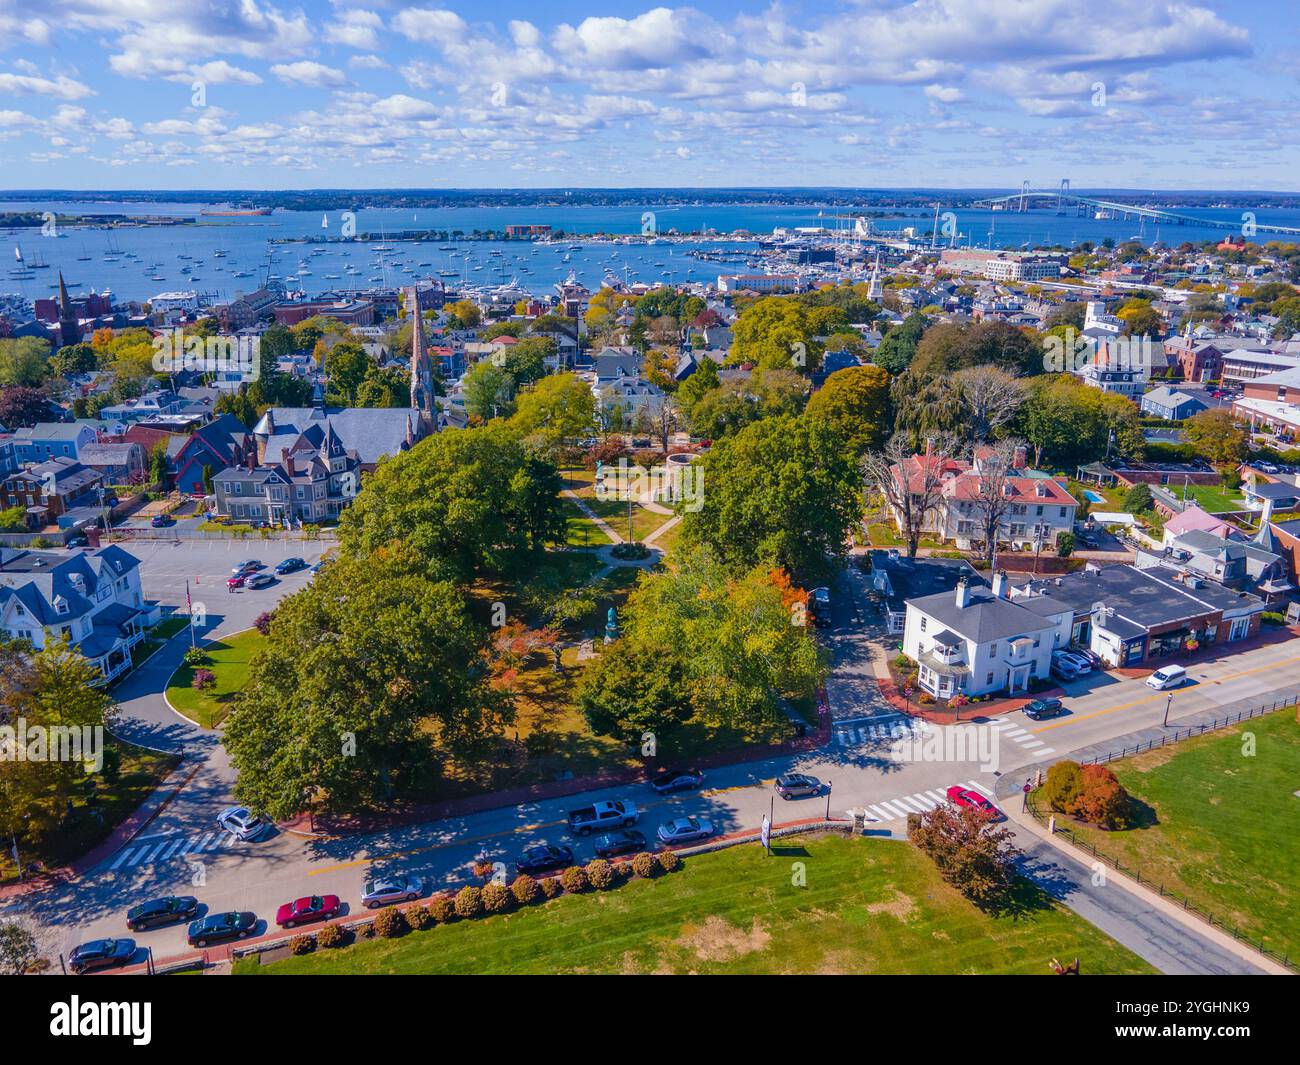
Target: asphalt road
[{"x": 878, "y": 761}]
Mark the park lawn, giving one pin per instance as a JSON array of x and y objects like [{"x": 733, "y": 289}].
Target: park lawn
[
  {"x": 229, "y": 661},
  {"x": 579, "y": 530},
  {"x": 614, "y": 511},
  {"x": 865, "y": 906},
  {"x": 1211, "y": 497},
  {"x": 142, "y": 770},
  {"x": 1219, "y": 826}
]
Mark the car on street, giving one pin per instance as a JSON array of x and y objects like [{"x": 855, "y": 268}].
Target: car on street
[
  {"x": 677, "y": 780},
  {"x": 624, "y": 841},
  {"x": 797, "y": 785},
  {"x": 258, "y": 580},
  {"x": 601, "y": 817},
  {"x": 101, "y": 954},
  {"x": 162, "y": 911},
  {"x": 544, "y": 858},
  {"x": 685, "y": 830},
  {"x": 1040, "y": 709},
  {"x": 290, "y": 565},
  {"x": 75, "y": 542},
  {"x": 216, "y": 927},
  {"x": 162, "y": 521},
  {"x": 308, "y": 908},
  {"x": 249, "y": 565},
  {"x": 819, "y": 604},
  {"x": 242, "y": 823},
  {"x": 1167, "y": 677},
  {"x": 973, "y": 800},
  {"x": 382, "y": 890}
]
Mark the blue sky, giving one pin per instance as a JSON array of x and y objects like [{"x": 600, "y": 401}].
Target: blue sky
[{"x": 948, "y": 93}]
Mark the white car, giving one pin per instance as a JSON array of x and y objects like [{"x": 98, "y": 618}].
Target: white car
[
  {"x": 685, "y": 830},
  {"x": 1080, "y": 663},
  {"x": 1167, "y": 677},
  {"x": 242, "y": 823}
]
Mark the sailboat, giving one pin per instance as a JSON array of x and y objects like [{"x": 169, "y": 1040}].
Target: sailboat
[{"x": 324, "y": 221}]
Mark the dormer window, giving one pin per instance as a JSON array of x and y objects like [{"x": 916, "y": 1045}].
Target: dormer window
[{"x": 60, "y": 605}]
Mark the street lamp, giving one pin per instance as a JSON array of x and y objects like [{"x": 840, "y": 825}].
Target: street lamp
[
  {"x": 1168, "y": 702},
  {"x": 829, "y": 785}
]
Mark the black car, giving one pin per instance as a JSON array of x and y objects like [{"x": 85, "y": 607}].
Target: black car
[
  {"x": 101, "y": 954},
  {"x": 76, "y": 541},
  {"x": 797, "y": 785},
  {"x": 290, "y": 565},
  {"x": 1038, "y": 709},
  {"x": 218, "y": 926},
  {"x": 677, "y": 780},
  {"x": 162, "y": 521},
  {"x": 162, "y": 911},
  {"x": 544, "y": 859},
  {"x": 624, "y": 841}
]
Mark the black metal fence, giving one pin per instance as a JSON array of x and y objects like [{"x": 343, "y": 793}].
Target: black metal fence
[{"x": 1207, "y": 916}]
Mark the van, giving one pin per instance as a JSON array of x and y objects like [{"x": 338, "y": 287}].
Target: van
[{"x": 1167, "y": 677}]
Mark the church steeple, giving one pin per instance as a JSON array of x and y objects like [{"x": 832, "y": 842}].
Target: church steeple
[
  {"x": 421, "y": 363},
  {"x": 69, "y": 326}
]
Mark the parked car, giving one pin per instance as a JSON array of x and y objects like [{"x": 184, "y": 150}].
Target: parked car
[
  {"x": 1092, "y": 657},
  {"x": 677, "y": 780},
  {"x": 685, "y": 830},
  {"x": 972, "y": 799},
  {"x": 819, "y": 605},
  {"x": 385, "y": 889},
  {"x": 308, "y": 908},
  {"x": 242, "y": 823},
  {"x": 1038, "y": 709},
  {"x": 237, "y": 581},
  {"x": 601, "y": 817},
  {"x": 235, "y": 924},
  {"x": 1081, "y": 662},
  {"x": 162, "y": 521},
  {"x": 1063, "y": 667},
  {"x": 101, "y": 954},
  {"x": 249, "y": 565},
  {"x": 317, "y": 566},
  {"x": 290, "y": 565},
  {"x": 1167, "y": 677},
  {"x": 797, "y": 785},
  {"x": 258, "y": 580},
  {"x": 76, "y": 541},
  {"x": 544, "y": 858},
  {"x": 162, "y": 911},
  {"x": 624, "y": 841}
]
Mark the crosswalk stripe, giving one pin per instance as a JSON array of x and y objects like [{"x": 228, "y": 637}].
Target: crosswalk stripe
[
  {"x": 880, "y": 813},
  {"x": 912, "y": 805},
  {"x": 154, "y": 854},
  {"x": 1034, "y": 743},
  {"x": 172, "y": 849},
  {"x": 939, "y": 796},
  {"x": 896, "y": 811},
  {"x": 126, "y": 853},
  {"x": 979, "y": 787},
  {"x": 923, "y": 800},
  {"x": 203, "y": 842}
]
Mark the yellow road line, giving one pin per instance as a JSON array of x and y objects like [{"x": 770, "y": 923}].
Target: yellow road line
[{"x": 1161, "y": 695}]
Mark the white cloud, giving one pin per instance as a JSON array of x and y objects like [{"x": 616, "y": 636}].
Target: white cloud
[
  {"x": 428, "y": 24},
  {"x": 61, "y": 86},
  {"x": 307, "y": 72},
  {"x": 355, "y": 29}
]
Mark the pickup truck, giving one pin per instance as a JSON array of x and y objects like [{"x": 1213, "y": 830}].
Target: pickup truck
[{"x": 602, "y": 817}]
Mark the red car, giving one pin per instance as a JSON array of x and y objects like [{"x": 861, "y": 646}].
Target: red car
[
  {"x": 959, "y": 796},
  {"x": 236, "y": 581},
  {"x": 309, "y": 908}
]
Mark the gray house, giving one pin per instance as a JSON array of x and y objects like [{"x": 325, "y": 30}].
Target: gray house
[{"x": 1174, "y": 406}]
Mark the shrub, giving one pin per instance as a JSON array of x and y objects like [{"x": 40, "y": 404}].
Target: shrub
[
  {"x": 302, "y": 945},
  {"x": 1272, "y": 617},
  {"x": 497, "y": 898},
  {"x": 365, "y": 931},
  {"x": 441, "y": 909},
  {"x": 330, "y": 936},
  {"x": 263, "y": 622},
  {"x": 600, "y": 874},
  {"x": 574, "y": 880},
  {"x": 204, "y": 679},
  {"x": 644, "y": 865},
  {"x": 622, "y": 870},
  {"x": 551, "y": 887},
  {"x": 669, "y": 862},
  {"x": 1065, "y": 544},
  {"x": 196, "y": 656},
  {"x": 1063, "y": 784},
  {"x": 419, "y": 918},
  {"x": 469, "y": 902},
  {"x": 391, "y": 923},
  {"x": 1103, "y": 800},
  {"x": 525, "y": 890},
  {"x": 484, "y": 869}
]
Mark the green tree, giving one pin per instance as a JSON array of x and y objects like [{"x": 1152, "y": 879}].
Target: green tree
[
  {"x": 74, "y": 359},
  {"x": 489, "y": 391},
  {"x": 18, "y": 950},
  {"x": 387, "y": 387},
  {"x": 704, "y": 379},
  {"x": 855, "y": 403},
  {"x": 970, "y": 852},
  {"x": 1217, "y": 436},
  {"x": 365, "y": 682},
  {"x": 346, "y": 367},
  {"x": 783, "y": 492},
  {"x": 775, "y": 333},
  {"x": 898, "y": 346},
  {"x": 559, "y": 409},
  {"x": 25, "y": 361}
]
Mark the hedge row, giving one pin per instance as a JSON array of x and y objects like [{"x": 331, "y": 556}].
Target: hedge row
[{"x": 472, "y": 901}]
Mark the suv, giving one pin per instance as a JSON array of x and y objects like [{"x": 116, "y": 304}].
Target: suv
[
  {"x": 1064, "y": 666},
  {"x": 797, "y": 785},
  {"x": 1081, "y": 662},
  {"x": 819, "y": 605},
  {"x": 1038, "y": 709}
]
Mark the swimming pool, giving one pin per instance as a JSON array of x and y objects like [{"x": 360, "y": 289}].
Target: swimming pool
[{"x": 1093, "y": 497}]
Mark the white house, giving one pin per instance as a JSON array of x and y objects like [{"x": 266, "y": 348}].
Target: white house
[
  {"x": 93, "y": 596},
  {"x": 977, "y": 641}
]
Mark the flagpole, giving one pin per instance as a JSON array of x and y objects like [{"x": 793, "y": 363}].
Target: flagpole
[{"x": 189, "y": 609}]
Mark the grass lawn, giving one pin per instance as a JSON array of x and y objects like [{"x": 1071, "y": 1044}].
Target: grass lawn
[
  {"x": 868, "y": 906},
  {"x": 580, "y": 530},
  {"x": 141, "y": 772},
  {"x": 1218, "y": 826},
  {"x": 1211, "y": 497},
  {"x": 614, "y": 511},
  {"x": 229, "y": 661}
]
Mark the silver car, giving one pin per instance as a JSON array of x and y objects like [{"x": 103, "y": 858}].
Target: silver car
[
  {"x": 242, "y": 823},
  {"x": 685, "y": 830},
  {"x": 383, "y": 890}
]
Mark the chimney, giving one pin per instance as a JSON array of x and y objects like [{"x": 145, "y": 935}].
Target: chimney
[
  {"x": 963, "y": 593},
  {"x": 1000, "y": 585}
]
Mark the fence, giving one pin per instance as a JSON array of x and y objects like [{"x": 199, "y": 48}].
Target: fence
[
  {"x": 235, "y": 532},
  {"x": 1208, "y": 917}
]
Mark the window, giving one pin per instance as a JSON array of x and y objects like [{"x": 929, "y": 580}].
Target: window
[
  {"x": 923, "y": 624},
  {"x": 1062, "y": 509},
  {"x": 993, "y": 650},
  {"x": 989, "y": 679}
]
